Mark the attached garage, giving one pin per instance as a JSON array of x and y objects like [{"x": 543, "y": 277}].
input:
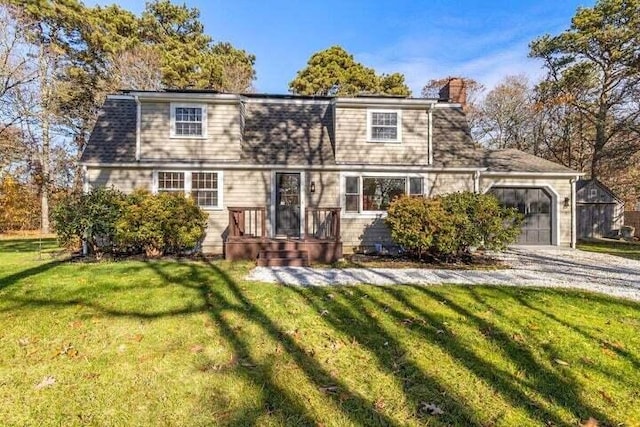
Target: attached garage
[{"x": 535, "y": 204}]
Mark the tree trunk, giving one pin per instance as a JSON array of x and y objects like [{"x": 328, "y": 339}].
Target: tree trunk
[{"x": 44, "y": 186}]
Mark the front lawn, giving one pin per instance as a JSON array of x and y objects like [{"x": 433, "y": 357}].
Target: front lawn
[
  {"x": 192, "y": 343},
  {"x": 623, "y": 249}
]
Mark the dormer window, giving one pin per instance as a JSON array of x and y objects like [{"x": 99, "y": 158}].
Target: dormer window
[
  {"x": 384, "y": 125},
  {"x": 188, "y": 120}
]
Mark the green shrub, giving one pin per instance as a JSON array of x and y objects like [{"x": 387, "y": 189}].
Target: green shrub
[
  {"x": 160, "y": 224},
  {"x": 90, "y": 217},
  {"x": 449, "y": 226},
  {"x": 109, "y": 221}
]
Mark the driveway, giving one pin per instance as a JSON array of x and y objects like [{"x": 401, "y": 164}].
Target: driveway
[{"x": 530, "y": 266}]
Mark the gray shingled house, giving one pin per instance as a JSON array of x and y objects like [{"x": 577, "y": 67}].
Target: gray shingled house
[{"x": 293, "y": 176}]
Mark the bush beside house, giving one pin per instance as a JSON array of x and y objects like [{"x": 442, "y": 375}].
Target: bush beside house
[
  {"x": 112, "y": 222},
  {"x": 448, "y": 227}
]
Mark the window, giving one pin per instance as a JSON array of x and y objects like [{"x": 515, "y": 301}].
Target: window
[
  {"x": 378, "y": 193},
  {"x": 375, "y": 193},
  {"x": 352, "y": 194},
  {"x": 188, "y": 120},
  {"x": 204, "y": 187},
  {"x": 416, "y": 186},
  {"x": 169, "y": 182},
  {"x": 384, "y": 126}
]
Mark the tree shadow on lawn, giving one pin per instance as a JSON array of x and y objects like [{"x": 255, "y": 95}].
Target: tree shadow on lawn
[
  {"x": 348, "y": 313},
  {"x": 558, "y": 388}
]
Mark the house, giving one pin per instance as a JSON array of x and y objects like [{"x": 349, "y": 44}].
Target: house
[
  {"x": 314, "y": 174},
  {"x": 600, "y": 212}
]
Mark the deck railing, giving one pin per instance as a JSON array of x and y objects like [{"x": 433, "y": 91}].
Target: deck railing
[
  {"x": 248, "y": 222},
  {"x": 322, "y": 223},
  {"x": 251, "y": 223}
]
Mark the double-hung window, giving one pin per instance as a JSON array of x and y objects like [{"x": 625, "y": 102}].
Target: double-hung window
[
  {"x": 375, "y": 193},
  {"x": 384, "y": 125},
  {"x": 188, "y": 120},
  {"x": 171, "y": 182},
  {"x": 204, "y": 187}
]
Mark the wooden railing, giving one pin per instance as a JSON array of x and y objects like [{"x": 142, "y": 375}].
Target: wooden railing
[
  {"x": 248, "y": 222},
  {"x": 322, "y": 223}
]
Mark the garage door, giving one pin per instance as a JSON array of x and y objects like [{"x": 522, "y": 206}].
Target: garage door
[{"x": 535, "y": 205}]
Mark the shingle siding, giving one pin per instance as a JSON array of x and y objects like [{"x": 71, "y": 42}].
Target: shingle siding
[
  {"x": 352, "y": 145},
  {"x": 222, "y": 142}
]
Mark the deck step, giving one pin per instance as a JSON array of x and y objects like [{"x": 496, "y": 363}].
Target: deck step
[{"x": 283, "y": 258}]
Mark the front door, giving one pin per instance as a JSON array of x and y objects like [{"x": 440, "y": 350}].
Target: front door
[{"x": 288, "y": 204}]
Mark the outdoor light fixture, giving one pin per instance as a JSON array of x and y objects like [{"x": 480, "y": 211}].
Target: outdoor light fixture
[
  {"x": 312, "y": 188},
  {"x": 566, "y": 202}
]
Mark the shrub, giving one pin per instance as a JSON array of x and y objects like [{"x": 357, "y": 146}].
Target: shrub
[
  {"x": 159, "y": 224},
  {"x": 90, "y": 217},
  {"x": 449, "y": 226},
  {"x": 141, "y": 222}
]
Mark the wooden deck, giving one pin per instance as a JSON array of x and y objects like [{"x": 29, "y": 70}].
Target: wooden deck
[{"x": 247, "y": 239}]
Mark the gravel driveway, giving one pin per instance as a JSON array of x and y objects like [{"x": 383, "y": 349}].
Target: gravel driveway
[{"x": 530, "y": 266}]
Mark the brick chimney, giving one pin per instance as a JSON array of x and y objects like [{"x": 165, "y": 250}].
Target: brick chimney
[{"x": 454, "y": 91}]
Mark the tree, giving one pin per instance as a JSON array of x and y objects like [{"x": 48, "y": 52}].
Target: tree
[
  {"x": 507, "y": 116},
  {"x": 190, "y": 59},
  {"x": 334, "y": 72},
  {"x": 594, "y": 67}
]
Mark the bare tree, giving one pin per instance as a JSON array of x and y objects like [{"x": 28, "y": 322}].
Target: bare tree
[{"x": 138, "y": 68}]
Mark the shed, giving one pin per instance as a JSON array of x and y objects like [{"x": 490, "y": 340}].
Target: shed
[{"x": 600, "y": 211}]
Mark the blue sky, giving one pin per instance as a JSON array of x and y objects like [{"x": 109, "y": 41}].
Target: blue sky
[{"x": 421, "y": 39}]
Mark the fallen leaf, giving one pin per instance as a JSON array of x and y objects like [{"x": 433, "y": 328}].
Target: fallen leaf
[
  {"x": 137, "y": 337},
  {"x": 606, "y": 397},
  {"x": 561, "y": 362},
  {"x": 76, "y": 324},
  {"x": 591, "y": 422},
  {"x": 330, "y": 389},
  {"x": 197, "y": 348},
  {"x": 432, "y": 409},
  {"x": 23, "y": 342},
  {"x": 46, "y": 382}
]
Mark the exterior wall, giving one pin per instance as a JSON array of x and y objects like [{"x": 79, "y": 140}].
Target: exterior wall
[
  {"x": 327, "y": 189},
  {"x": 222, "y": 141},
  {"x": 448, "y": 182},
  {"x": 125, "y": 180},
  {"x": 562, "y": 188},
  {"x": 352, "y": 145}
]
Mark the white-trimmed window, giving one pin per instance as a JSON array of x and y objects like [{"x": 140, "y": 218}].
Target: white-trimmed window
[
  {"x": 170, "y": 182},
  {"x": 373, "y": 193},
  {"x": 204, "y": 189},
  {"x": 188, "y": 120},
  {"x": 204, "y": 186},
  {"x": 384, "y": 125}
]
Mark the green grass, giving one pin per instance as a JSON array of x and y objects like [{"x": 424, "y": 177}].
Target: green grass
[
  {"x": 623, "y": 249},
  {"x": 192, "y": 343}
]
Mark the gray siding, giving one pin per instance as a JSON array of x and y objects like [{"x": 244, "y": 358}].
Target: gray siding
[
  {"x": 222, "y": 142},
  {"x": 352, "y": 145}
]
